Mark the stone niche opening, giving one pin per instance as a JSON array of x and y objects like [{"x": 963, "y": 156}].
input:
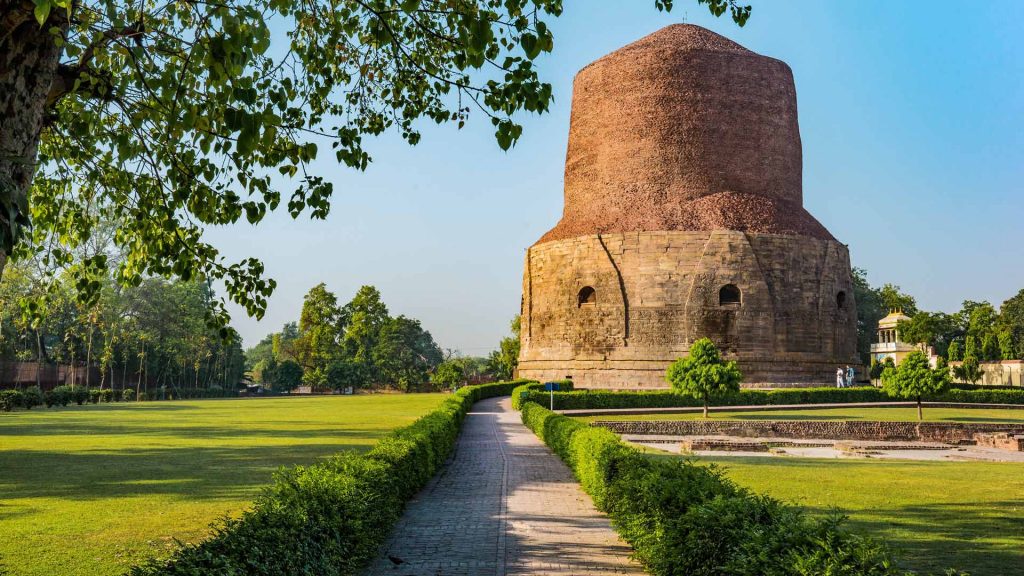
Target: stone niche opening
[
  {"x": 841, "y": 300},
  {"x": 729, "y": 295},
  {"x": 586, "y": 297}
]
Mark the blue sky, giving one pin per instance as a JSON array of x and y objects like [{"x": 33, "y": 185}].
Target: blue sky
[{"x": 912, "y": 120}]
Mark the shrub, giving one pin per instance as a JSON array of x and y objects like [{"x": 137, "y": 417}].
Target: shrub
[
  {"x": 982, "y": 396},
  {"x": 685, "y": 519},
  {"x": 605, "y": 399},
  {"x": 601, "y": 399},
  {"x": 94, "y": 395},
  {"x": 11, "y": 399},
  {"x": 32, "y": 396},
  {"x": 106, "y": 395},
  {"x": 128, "y": 395},
  {"x": 522, "y": 391},
  {"x": 59, "y": 396},
  {"x": 875, "y": 372},
  {"x": 142, "y": 397},
  {"x": 330, "y": 517},
  {"x": 78, "y": 394},
  {"x": 968, "y": 371}
]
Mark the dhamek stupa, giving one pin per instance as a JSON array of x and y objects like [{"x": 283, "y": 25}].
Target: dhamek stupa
[{"x": 684, "y": 218}]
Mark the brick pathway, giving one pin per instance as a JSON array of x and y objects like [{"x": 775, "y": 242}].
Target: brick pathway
[{"x": 504, "y": 505}]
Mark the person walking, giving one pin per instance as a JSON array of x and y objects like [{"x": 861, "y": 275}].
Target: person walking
[
  {"x": 840, "y": 376},
  {"x": 850, "y": 375}
]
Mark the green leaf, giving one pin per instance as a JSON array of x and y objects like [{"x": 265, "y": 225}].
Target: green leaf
[{"x": 42, "y": 11}]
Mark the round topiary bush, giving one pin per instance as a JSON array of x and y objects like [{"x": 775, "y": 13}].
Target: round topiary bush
[
  {"x": 11, "y": 399},
  {"x": 33, "y": 396}
]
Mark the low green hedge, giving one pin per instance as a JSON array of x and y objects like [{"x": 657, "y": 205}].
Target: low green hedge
[
  {"x": 981, "y": 396},
  {"x": 686, "y": 519},
  {"x": 330, "y": 517},
  {"x": 522, "y": 392},
  {"x": 603, "y": 399}
]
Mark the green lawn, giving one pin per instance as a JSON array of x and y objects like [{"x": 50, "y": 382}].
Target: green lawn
[
  {"x": 935, "y": 515},
  {"x": 91, "y": 490},
  {"x": 886, "y": 414}
]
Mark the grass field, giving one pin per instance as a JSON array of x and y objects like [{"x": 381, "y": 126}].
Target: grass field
[
  {"x": 91, "y": 490},
  {"x": 935, "y": 515},
  {"x": 883, "y": 414}
]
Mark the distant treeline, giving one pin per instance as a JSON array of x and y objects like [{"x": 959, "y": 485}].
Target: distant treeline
[
  {"x": 361, "y": 345},
  {"x": 155, "y": 335}
]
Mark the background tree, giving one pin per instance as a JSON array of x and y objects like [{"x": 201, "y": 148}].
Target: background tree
[
  {"x": 870, "y": 309},
  {"x": 936, "y": 329},
  {"x": 914, "y": 378},
  {"x": 405, "y": 353},
  {"x": 318, "y": 343},
  {"x": 502, "y": 363},
  {"x": 450, "y": 374},
  {"x": 990, "y": 347},
  {"x": 286, "y": 376},
  {"x": 1011, "y": 319},
  {"x": 968, "y": 371},
  {"x": 1007, "y": 349},
  {"x": 703, "y": 375},
  {"x": 955, "y": 352},
  {"x": 895, "y": 299},
  {"x": 172, "y": 116},
  {"x": 364, "y": 317},
  {"x": 345, "y": 373},
  {"x": 971, "y": 348}
]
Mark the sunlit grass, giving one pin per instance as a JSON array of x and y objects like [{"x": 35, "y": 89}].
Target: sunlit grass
[
  {"x": 91, "y": 490},
  {"x": 936, "y": 515}
]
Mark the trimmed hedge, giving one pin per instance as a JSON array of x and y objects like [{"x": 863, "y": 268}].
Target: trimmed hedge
[
  {"x": 330, "y": 517},
  {"x": 603, "y": 399},
  {"x": 521, "y": 393},
  {"x": 686, "y": 519}
]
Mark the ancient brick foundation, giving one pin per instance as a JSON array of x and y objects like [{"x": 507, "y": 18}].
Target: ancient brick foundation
[
  {"x": 1002, "y": 441},
  {"x": 945, "y": 432},
  {"x": 654, "y": 293}
]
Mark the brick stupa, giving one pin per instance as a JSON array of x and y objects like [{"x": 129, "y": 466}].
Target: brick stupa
[{"x": 684, "y": 218}]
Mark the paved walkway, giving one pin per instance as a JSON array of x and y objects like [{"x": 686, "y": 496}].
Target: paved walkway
[{"x": 504, "y": 505}]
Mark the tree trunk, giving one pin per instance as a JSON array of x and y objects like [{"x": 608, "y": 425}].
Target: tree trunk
[
  {"x": 88, "y": 359},
  {"x": 920, "y": 413},
  {"x": 28, "y": 67},
  {"x": 705, "y": 409},
  {"x": 39, "y": 358}
]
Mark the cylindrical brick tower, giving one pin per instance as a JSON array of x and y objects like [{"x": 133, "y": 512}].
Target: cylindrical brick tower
[{"x": 684, "y": 218}]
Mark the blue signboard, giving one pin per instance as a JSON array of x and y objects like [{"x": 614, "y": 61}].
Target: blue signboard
[{"x": 551, "y": 386}]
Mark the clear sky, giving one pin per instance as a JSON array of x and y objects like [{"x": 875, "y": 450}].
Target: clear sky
[{"x": 912, "y": 120}]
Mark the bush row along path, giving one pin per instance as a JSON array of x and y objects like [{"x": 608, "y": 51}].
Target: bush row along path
[
  {"x": 779, "y": 407},
  {"x": 504, "y": 505}
]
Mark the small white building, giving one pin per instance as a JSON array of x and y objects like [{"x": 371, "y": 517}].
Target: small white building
[{"x": 889, "y": 344}]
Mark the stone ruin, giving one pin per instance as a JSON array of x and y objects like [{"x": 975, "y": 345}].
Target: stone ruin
[{"x": 684, "y": 218}]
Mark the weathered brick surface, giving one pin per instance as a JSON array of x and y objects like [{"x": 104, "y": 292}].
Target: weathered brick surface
[
  {"x": 503, "y": 505},
  {"x": 1002, "y": 441},
  {"x": 652, "y": 304},
  {"x": 947, "y": 432}
]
